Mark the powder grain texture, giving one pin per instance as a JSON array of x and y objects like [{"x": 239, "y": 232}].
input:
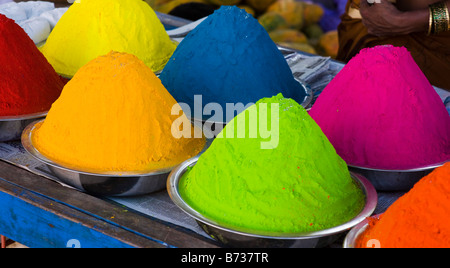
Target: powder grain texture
[
  {"x": 114, "y": 115},
  {"x": 381, "y": 112},
  {"x": 91, "y": 28},
  {"x": 300, "y": 185},
  {"x": 28, "y": 83},
  {"x": 229, "y": 58},
  {"x": 419, "y": 219}
]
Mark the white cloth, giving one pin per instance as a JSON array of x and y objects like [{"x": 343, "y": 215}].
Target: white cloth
[
  {"x": 37, "y": 28},
  {"x": 5, "y": 1},
  {"x": 53, "y": 16},
  {"x": 37, "y": 18},
  {"x": 36, "y": 8},
  {"x": 13, "y": 11}
]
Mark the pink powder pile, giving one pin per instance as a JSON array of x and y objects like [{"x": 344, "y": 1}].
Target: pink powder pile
[{"x": 381, "y": 112}]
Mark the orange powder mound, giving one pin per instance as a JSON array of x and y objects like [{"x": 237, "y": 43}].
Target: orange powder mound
[
  {"x": 419, "y": 219},
  {"x": 114, "y": 116}
]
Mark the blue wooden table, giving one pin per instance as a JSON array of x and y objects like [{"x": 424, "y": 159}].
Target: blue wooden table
[{"x": 38, "y": 212}]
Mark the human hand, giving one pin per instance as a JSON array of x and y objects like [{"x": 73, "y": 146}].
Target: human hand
[{"x": 382, "y": 18}]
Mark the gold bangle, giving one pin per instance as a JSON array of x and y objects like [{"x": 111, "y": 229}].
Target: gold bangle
[
  {"x": 447, "y": 16},
  {"x": 441, "y": 19},
  {"x": 437, "y": 17},
  {"x": 430, "y": 21}
]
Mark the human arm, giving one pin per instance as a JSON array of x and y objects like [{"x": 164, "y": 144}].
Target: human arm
[
  {"x": 385, "y": 19},
  {"x": 409, "y": 5}
]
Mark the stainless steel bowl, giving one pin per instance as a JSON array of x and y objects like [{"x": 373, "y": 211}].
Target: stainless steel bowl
[
  {"x": 65, "y": 76},
  {"x": 215, "y": 127},
  {"x": 394, "y": 180},
  {"x": 11, "y": 127},
  {"x": 106, "y": 184},
  {"x": 352, "y": 237},
  {"x": 238, "y": 238},
  {"x": 308, "y": 95}
]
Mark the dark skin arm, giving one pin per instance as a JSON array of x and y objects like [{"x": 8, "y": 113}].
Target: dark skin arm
[
  {"x": 409, "y": 5},
  {"x": 386, "y": 19}
]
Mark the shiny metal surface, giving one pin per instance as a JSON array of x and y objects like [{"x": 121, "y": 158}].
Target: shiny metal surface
[
  {"x": 239, "y": 238},
  {"x": 11, "y": 127},
  {"x": 352, "y": 236},
  {"x": 172, "y": 21},
  {"x": 108, "y": 184},
  {"x": 308, "y": 95},
  {"x": 394, "y": 180}
]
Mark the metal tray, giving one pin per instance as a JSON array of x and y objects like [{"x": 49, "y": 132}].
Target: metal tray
[
  {"x": 106, "y": 184},
  {"x": 11, "y": 127},
  {"x": 238, "y": 238},
  {"x": 394, "y": 180}
]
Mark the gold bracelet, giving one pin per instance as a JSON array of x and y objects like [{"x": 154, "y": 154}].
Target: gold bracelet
[
  {"x": 441, "y": 19},
  {"x": 430, "y": 21},
  {"x": 447, "y": 16}
]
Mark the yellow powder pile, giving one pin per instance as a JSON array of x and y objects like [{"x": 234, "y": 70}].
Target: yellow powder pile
[
  {"x": 91, "y": 28},
  {"x": 114, "y": 116}
]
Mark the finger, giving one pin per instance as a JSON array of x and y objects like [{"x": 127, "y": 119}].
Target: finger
[
  {"x": 364, "y": 7},
  {"x": 364, "y": 3},
  {"x": 382, "y": 2}
]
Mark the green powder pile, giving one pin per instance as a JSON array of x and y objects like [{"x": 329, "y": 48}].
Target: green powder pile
[{"x": 300, "y": 185}]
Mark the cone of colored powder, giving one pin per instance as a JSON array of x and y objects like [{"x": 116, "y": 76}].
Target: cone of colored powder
[
  {"x": 114, "y": 116},
  {"x": 91, "y": 28},
  {"x": 419, "y": 219},
  {"x": 28, "y": 83},
  {"x": 228, "y": 58},
  {"x": 296, "y": 184},
  {"x": 381, "y": 112}
]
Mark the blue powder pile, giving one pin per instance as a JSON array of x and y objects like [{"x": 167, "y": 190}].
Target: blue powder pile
[{"x": 228, "y": 58}]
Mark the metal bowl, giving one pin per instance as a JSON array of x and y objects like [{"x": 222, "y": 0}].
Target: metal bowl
[
  {"x": 215, "y": 127},
  {"x": 394, "y": 180},
  {"x": 66, "y": 76},
  {"x": 11, "y": 127},
  {"x": 308, "y": 95},
  {"x": 106, "y": 184},
  {"x": 238, "y": 238},
  {"x": 352, "y": 237}
]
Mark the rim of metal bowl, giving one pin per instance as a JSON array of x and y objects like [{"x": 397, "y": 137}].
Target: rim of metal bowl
[
  {"x": 65, "y": 76},
  {"x": 29, "y": 147},
  {"x": 306, "y": 102},
  {"x": 423, "y": 168},
  {"x": 23, "y": 117},
  {"x": 353, "y": 235},
  {"x": 366, "y": 186}
]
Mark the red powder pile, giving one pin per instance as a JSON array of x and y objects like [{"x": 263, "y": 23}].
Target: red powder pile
[
  {"x": 28, "y": 83},
  {"x": 381, "y": 112},
  {"x": 419, "y": 219}
]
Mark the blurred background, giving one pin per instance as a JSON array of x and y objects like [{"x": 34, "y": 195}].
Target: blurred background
[
  {"x": 309, "y": 26},
  {"x": 306, "y": 25}
]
